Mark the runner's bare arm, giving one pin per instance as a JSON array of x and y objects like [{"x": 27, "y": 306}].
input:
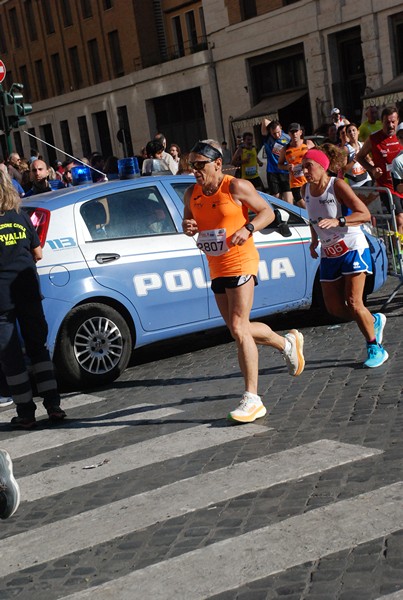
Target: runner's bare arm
[
  {"x": 244, "y": 192},
  {"x": 345, "y": 195},
  {"x": 282, "y": 162},
  {"x": 236, "y": 159},
  {"x": 362, "y": 158},
  {"x": 264, "y": 126}
]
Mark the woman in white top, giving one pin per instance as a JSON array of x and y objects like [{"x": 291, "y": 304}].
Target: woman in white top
[
  {"x": 335, "y": 216},
  {"x": 355, "y": 174}
]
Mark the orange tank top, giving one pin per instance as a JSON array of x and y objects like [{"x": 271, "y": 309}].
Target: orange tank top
[
  {"x": 220, "y": 211},
  {"x": 294, "y": 157}
]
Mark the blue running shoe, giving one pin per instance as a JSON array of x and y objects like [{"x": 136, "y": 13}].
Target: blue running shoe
[
  {"x": 377, "y": 355},
  {"x": 379, "y": 325}
]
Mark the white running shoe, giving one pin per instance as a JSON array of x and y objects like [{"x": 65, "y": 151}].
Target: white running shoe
[
  {"x": 5, "y": 401},
  {"x": 295, "y": 357},
  {"x": 249, "y": 409},
  {"x": 9, "y": 488}
]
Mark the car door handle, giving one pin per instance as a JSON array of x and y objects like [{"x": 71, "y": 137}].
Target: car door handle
[{"x": 105, "y": 258}]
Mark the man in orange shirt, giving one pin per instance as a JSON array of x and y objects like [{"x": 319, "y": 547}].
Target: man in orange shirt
[
  {"x": 290, "y": 159},
  {"x": 216, "y": 208}
]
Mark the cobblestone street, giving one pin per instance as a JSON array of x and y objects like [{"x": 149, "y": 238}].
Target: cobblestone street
[{"x": 306, "y": 503}]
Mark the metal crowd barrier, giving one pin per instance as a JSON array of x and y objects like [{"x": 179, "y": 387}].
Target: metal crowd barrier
[{"x": 383, "y": 218}]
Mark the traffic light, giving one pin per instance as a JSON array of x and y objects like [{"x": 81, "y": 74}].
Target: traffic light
[{"x": 13, "y": 108}]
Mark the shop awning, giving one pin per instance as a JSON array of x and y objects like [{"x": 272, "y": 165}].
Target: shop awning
[
  {"x": 386, "y": 95},
  {"x": 268, "y": 107}
]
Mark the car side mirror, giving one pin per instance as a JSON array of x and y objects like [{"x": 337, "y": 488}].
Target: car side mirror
[{"x": 280, "y": 222}]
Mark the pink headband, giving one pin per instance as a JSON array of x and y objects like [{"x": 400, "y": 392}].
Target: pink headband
[{"x": 319, "y": 157}]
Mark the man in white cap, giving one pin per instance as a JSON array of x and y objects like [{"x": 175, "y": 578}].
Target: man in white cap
[{"x": 337, "y": 118}]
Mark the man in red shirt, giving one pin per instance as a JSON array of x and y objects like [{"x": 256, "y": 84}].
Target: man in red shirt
[{"x": 383, "y": 145}]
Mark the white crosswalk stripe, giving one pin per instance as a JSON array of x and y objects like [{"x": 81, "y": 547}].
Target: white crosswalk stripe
[
  {"x": 84, "y": 428},
  {"x": 262, "y": 552},
  {"x": 68, "y": 403},
  {"x": 173, "y": 500},
  {"x": 318, "y": 533},
  {"x": 135, "y": 456}
]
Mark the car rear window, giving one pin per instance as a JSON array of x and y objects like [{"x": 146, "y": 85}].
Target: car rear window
[
  {"x": 133, "y": 213},
  {"x": 180, "y": 188}
]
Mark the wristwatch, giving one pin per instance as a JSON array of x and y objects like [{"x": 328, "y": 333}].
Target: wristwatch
[
  {"x": 250, "y": 227},
  {"x": 342, "y": 221}
]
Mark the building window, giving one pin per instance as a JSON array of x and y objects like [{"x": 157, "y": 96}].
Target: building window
[
  {"x": 86, "y": 9},
  {"x": 94, "y": 60},
  {"x": 47, "y": 135},
  {"x": 397, "y": 29},
  {"x": 124, "y": 126},
  {"x": 32, "y": 140},
  {"x": 84, "y": 136},
  {"x": 30, "y": 20},
  {"x": 191, "y": 30},
  {"x": 279, "y": 74},
  {"x": 18, "y": 143},
  {"x": 3, "y": 43},
  {"x": 41, "y": 80},
  {"x": 65, "y": 10},
  {"x": 178, "y": 37},
  {"x": 65, "y": 131},
  {"x": 202, "y": 23},
  {"x": 15, "y": 27},
  {"x": 57, "y": 73},
  {"x": 248, "y": 9},
  {"x": 24, "y": 78},
  {"x": 108, "y": 4},
  {"x": 116, "y": 55},
  {"x": 75, "y": 66},
  {"x": 47, "y": 16}
]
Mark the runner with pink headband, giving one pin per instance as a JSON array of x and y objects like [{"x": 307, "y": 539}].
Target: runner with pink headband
[
  {"x": 318, "y": 156},
  {"x": 335, "y": 217}
]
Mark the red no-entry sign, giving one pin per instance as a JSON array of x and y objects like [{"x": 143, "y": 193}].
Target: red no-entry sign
[{"x": 3, "y": 71}]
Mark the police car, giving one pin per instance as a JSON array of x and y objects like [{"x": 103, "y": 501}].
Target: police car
[{"x": 118, "y": 273}]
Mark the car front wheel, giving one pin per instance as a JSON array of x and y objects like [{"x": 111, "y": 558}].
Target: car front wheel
[{"x": 94, "y": 346}]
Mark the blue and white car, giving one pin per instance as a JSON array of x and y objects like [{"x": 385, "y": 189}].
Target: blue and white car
[{"x": 118, "y": 273}]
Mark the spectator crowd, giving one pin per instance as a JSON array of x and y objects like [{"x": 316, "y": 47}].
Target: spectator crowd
[{"x": 347, "y": 144}]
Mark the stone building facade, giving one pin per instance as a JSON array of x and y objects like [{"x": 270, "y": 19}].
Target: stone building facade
[{"x": 106, "y": 75}]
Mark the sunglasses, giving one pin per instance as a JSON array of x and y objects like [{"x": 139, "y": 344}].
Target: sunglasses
[{"x": 198, "y": 165}]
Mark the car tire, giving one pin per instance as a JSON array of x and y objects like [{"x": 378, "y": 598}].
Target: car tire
[{"x": 94, "y": 347}]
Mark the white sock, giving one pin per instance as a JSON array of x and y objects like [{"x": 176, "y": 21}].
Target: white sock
[{"x": 252, "y": 396}]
